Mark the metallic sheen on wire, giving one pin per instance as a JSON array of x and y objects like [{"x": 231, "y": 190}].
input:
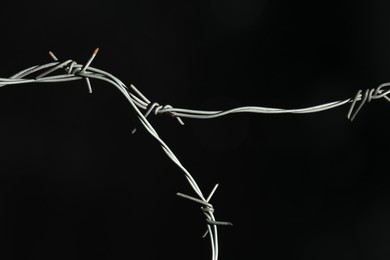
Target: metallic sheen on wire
[{"x": 70, "y": 70}]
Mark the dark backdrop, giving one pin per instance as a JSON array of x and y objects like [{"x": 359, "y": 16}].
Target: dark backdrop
[{"x": 75, "y": 184}]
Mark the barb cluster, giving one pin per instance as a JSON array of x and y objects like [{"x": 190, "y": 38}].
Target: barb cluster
[
  {"x": 156, "y": 108},
  {"x": 369, "y": 95},
  {"x": 71, "y": 70}
]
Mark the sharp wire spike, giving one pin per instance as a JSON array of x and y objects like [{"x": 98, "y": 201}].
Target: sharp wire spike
[
  {"x": 353, "y": 104},
  {"x": 89, "y": 85},
  {"x": 90, "y": 60},
  {"x": 193, "y": 199},
  {"x": 180, "y": 120},
  {"x": 212, "y": 192},
  {"x": 84, "y": 68},
  {"x": 53, "y": 56},
  {"x": 219, "y": 223}
]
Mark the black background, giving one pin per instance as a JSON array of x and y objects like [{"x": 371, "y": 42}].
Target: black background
[{"x": 75, "y": 184}]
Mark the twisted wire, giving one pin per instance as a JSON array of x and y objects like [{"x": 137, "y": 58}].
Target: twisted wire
[{"x": 74, "y": 71}]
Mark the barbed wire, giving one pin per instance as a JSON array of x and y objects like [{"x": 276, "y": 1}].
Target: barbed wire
[{"x": 71, "y": 71}]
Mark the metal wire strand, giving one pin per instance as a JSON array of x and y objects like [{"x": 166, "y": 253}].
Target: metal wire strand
[
  {"x": 71, "y": 71},
  {"x": 74, "y": 71}
]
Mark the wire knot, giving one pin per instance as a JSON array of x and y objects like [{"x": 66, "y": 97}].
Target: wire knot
[
  {"x": 207, "y": 209},
  {"x": 369, "y": 94},
  {"x": 156, "y": 108},
  {"x": 82, "y": 72}
]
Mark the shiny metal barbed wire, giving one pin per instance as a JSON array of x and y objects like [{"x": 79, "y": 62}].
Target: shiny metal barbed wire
[{"x": 75, "y": 71}]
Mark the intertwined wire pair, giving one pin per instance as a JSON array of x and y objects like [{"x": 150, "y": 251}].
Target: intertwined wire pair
[
  {"x": 71, "y": 70},
  {"x": 74, "y": 71}
]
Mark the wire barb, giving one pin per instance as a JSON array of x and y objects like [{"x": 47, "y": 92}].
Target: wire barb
[
  {"x": 207, "y": 209},
  {"x": 53, "y": 56},
  {"x": 85, "y": 67},
  {"x": 369, "y": 94}
]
